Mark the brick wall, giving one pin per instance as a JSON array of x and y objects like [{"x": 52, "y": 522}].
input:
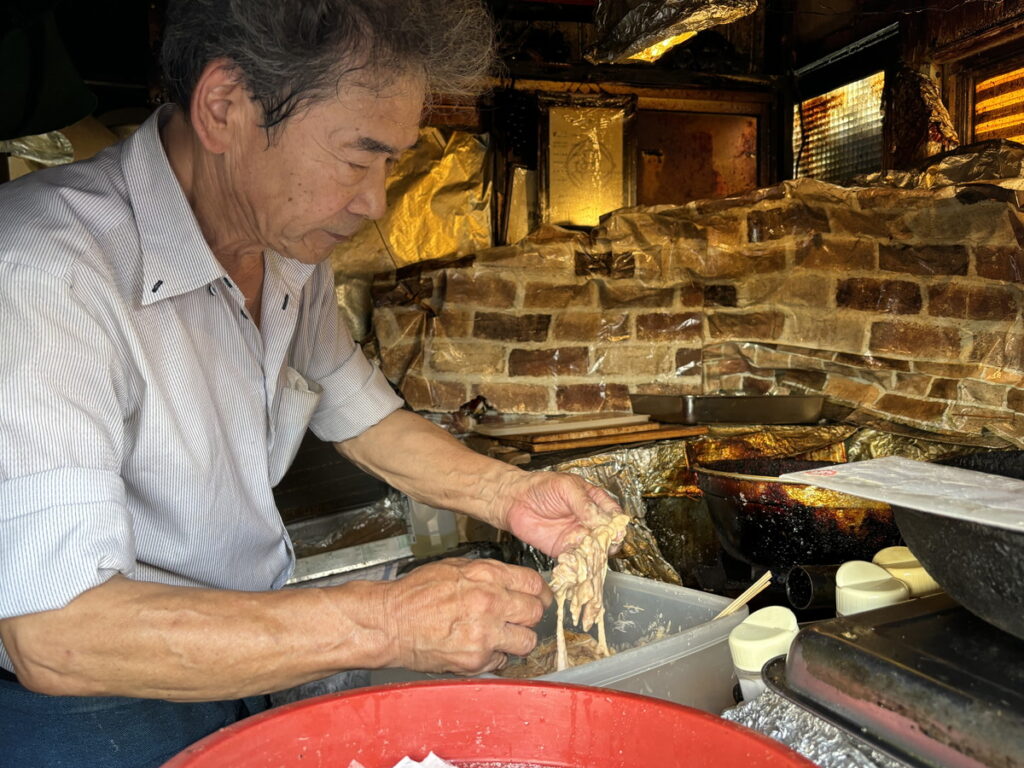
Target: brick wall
[{"x": 905, "y": 302}]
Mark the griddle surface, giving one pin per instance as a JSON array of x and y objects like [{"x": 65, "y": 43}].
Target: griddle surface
[{"x": 926, "y": 681}]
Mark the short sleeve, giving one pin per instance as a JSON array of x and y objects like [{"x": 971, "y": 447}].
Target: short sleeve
[{"x": 64, "y": 524}]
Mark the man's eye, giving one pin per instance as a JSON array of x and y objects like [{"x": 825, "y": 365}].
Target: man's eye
[{"x": 357, "y": 167}]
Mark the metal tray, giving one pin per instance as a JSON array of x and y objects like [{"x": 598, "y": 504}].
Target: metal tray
[
  {"x": 924, "y": 681},
  {"x": 730, "y": 409}
]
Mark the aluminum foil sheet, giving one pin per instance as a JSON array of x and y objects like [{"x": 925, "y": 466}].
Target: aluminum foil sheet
[
  {"x": 46, "y": 149},
  {"x": 626, "y": 473},
  {"x": 996, "y": 161},
  {"x": 922, "y": 126},
  {"x": 588, "y": 169},
  {"x": 815, "y": 739},
  {"x": 632, "y": 473},
  {"x": 642, "y": 30},
  {"x": 877, "y": 438},
  {"x": 439, "y": 204},
  {"x": 772, "y": 442},
  {"x": 382, "y": 519}
]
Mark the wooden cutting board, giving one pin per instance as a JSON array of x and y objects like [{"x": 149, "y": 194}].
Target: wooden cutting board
[
  {"x": 581, "y": 434},
  {"x": 568, "y": 424},
  {"x": 563, "y": 441}
]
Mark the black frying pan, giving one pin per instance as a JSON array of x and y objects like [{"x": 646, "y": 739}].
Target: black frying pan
[{"x": 980, "y": 566}]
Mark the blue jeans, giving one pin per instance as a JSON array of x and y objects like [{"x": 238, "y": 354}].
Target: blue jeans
[{"x": 38, "y": 731}]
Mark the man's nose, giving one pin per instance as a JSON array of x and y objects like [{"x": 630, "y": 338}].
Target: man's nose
[{"x": 371, "y": 199}]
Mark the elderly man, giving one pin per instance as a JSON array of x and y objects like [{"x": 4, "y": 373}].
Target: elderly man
[{"x": 169, "y": 332}]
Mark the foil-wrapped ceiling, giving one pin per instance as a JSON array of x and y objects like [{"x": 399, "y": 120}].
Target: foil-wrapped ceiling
[{"x": 643, "y": 30}]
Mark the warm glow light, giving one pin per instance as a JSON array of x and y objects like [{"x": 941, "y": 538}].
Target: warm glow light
[
  {"x": 992, "y": 82},
  {"x": 1001, "y": 125},
  {"x": 844, "y": 131},
  {"x": 656, "y": 51},
  {"x": 997, "y": 102},
  {"x": 1001, "y": 115}
]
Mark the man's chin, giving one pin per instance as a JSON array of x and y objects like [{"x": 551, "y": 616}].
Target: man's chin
[{"x": 316, "y": 250}]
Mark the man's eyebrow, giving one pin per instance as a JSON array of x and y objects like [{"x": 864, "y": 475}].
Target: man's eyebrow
[{"x": 366, "y": 144}]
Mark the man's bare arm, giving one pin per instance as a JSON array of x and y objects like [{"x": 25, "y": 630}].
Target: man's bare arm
[
  {"x": 128, "y": 638},
  {"x": 149, "y": 640},
  {"x": 422, "y": 460},
  {"x": 546, "y": 509}
]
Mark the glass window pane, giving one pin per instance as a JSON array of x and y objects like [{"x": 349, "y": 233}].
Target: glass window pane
[{"x": 844, "y": 132}]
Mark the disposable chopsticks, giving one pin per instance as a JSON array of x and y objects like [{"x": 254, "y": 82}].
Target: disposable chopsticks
[{"x": 749, "y": 594}]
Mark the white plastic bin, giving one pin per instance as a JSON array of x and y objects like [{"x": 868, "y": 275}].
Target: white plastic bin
[{"x": 690, "y": 663}]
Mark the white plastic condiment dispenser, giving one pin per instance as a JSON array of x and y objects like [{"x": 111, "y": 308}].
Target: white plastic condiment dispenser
[
  {"x": 759, "y": 638},
  {"x": 863, "y": 586},
  {"x": 901, "y": 563}
]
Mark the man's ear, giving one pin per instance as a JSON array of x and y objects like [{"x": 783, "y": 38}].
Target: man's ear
[{"x": 220, "y": 104}]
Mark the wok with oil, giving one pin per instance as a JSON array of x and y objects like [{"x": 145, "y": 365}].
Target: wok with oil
[{"x": 766, "y": 522}]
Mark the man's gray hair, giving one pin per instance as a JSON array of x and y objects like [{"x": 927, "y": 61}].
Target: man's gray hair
[{"x": 290, "y": 53}]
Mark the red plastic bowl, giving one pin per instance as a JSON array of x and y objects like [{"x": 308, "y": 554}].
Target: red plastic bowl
[{"x": 497, "y": 722}]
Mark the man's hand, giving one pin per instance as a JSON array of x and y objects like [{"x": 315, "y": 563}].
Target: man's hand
[
  {"x": 546, "y": 509},
  {"x": 464, "y": 616},
  {"x": 552, "y": 510}
]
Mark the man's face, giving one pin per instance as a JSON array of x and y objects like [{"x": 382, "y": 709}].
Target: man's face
[{"x": 324, "y": 174}]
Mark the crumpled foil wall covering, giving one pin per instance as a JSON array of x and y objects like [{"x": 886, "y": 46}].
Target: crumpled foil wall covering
[
  {"x": 901, "y": 297},
  {"x": 439, "y": 199}
]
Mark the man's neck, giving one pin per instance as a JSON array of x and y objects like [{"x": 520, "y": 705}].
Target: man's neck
[{"x": 203, "y": 183}]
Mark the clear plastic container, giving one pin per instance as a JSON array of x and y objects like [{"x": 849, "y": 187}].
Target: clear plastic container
[
  {"x": 433, "y": 530},
  {"x": 683, "y": 656}
]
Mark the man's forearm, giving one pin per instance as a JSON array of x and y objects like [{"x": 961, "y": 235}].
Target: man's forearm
[
  {"x": 421, "y": 459},
  {"x": 148, "y": 640}
]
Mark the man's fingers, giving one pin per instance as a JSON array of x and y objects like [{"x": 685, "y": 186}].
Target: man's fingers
[
  {"x": 517, "y": 640},
  {"x": 498, "y": 661},
  {"x": 523, "y": 609},
  {"x": 511, "y": 577}
]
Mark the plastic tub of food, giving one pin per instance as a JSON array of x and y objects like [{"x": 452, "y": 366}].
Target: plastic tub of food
[
  {"x": 486, "y": 723},
  {"x": 667, "y": 645}
]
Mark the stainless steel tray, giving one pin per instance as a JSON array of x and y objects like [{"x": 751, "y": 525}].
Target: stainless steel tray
[{"x": 730, "y": 409}]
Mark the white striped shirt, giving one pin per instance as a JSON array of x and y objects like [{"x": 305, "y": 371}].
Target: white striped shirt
[{"x": 144, "y": 418}]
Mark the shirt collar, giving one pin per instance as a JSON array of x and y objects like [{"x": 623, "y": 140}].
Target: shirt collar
[
  {"x": 175, "y": 256},
  {"x": 292, "y": 274}
]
